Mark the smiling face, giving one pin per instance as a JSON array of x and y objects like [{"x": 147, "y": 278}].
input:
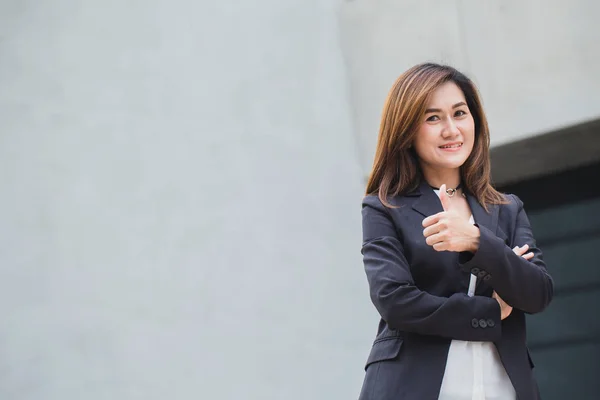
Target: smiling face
[{"x": 447, "y": 131}]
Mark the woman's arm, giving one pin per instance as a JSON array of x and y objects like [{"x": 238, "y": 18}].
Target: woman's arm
[
  {"x": 404, "y": 306},
  {"x": 524, "y": 284}
]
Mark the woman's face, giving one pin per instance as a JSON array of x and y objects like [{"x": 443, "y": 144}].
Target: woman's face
[{"x": 447, "y": 131}]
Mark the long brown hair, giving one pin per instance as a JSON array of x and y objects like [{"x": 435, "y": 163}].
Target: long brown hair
[{"x": 396, "y": 168}]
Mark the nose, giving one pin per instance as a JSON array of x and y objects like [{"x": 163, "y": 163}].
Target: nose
[{"x": 450, "y": 129}]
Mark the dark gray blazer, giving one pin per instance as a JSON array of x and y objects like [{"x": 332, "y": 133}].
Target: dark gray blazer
[{"x": 421, "y": 294}]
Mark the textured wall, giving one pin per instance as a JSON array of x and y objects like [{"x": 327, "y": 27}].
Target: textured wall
[{"x": 180, "y": 202}]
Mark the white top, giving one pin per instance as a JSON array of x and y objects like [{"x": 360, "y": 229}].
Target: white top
[{"x": 474, "y": 370}]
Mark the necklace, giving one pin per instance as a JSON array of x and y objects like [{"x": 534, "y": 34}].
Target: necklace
[{"x": 449, "y": 191}]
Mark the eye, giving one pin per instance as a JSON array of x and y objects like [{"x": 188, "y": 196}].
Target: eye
[
  {"x": 460, "y": 113},
  {"x": 433, "y": 118}
]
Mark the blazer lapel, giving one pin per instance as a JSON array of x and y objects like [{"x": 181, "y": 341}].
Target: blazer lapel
[
  {"x": 482, "y": 217},
  {"x": 428, "y": 202}
]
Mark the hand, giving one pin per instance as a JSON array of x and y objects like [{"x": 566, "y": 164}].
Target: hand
[
  {"x": 505, "y": 309},
  {"x": 522, "y": 251},
  {"x": 448, "y": 230}
]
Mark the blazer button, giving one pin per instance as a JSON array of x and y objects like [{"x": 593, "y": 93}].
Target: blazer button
[
  {"x": 487, "y": 277},
  {"x": 481, "y": 274},
  {"x": 475, "y": 271},
  {"x": 482, "y": 323},
  {"x": 475, "y": 323},
  {"x": 491, "y": 323}
]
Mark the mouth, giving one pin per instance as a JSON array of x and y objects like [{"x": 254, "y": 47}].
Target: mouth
[{"x": 451, "y": 146}]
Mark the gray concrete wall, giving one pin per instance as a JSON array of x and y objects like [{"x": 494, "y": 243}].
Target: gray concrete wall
[
  {"x": 180, "y": 202},
  {"x": 181, "y": 180},
  {"x": 536, "y": 62}
]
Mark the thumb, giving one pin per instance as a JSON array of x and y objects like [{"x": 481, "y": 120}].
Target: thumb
[{"x": 444, "y": 198}]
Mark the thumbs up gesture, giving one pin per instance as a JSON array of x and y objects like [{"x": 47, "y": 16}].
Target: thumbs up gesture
[
  {"x": 448, "y": 230},
  {"x": 444, "y": 198}
]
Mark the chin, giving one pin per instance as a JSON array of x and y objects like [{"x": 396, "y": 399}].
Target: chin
[{"x": 452, "y": 163}]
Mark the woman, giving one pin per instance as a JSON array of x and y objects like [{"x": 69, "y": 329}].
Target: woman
[{"x": 451, "y": 263}]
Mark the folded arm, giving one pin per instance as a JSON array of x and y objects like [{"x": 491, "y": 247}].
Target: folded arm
[
  {"x": 523, "y": 284},
  {"x": 402, "y": 304}
]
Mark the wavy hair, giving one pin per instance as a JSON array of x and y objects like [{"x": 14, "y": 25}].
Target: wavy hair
[{"x": 396, "y": 169}]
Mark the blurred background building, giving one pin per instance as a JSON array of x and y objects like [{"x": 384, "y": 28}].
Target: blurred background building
[{"x": 181, "y": 185}]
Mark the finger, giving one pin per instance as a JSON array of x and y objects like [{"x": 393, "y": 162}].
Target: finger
[
  {"x": 444, "y": 198},
  {"x": 528, "y": 256},
  {"x": 433, "y": 239},
  {"x": 516, "y": 250},
  {"x": 440, "y": 246},
  {"x": 519, "y": 251},
  {"x": 497, "y": 296},
  {"x": 432, "y": 219},
  {"x": 432, "y": 230}
]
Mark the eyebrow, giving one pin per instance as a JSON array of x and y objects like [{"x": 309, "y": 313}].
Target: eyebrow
[{"x": 432, "y": 110}]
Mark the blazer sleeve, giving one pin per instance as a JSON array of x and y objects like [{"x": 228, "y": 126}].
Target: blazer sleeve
[
  {"x": 523, "y": 284},
  {"x": 402, "y": 304}
]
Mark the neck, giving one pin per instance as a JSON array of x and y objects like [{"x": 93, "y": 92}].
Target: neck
[{"x": 436, "y": 178}]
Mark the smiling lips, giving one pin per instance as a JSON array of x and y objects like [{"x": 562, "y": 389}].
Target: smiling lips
[{"x": 451, "y": 146}]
